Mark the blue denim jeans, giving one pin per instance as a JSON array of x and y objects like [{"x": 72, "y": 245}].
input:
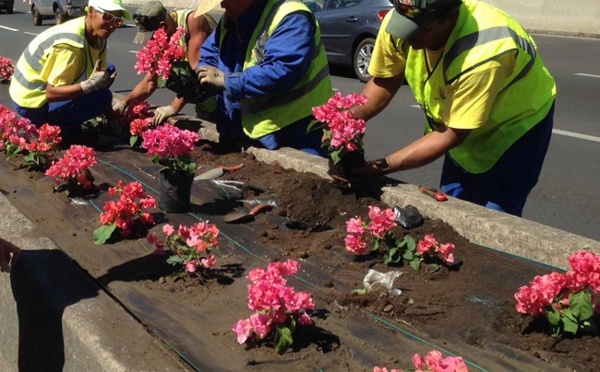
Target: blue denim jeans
[
  {"x": 71, "y": 113},
  {"x": 506, "y": 186}
]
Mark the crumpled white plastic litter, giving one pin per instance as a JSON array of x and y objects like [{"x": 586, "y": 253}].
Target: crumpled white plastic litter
[{"x": 374, "y": 278}]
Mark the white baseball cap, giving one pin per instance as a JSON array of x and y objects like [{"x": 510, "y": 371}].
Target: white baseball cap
[{"x": 110, "y": 6}]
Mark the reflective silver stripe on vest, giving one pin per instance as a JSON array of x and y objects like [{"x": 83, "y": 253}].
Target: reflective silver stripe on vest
[
  {"x": 485, "y": 36},
  {"x": 34, "y": 59},
  {"x": 281, "y": 99},
  {"x": 39, "y": 85}
]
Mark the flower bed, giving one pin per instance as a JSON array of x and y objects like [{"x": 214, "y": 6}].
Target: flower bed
[{"x": 467, "y": 309}]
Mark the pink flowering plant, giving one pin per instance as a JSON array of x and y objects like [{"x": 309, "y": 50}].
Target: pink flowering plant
[
  {"x": 6, "y": 69},
  {"x": 278, "y": 308},
  {"x": 190, "y": 247},
  {"x": 138, "y": 119},
  {"x": 363, "y": 238},
  {"x": 171, "y": 147},
  {"x": 160, "y": 52},
  {"x": 434, "y": 361},
  {"x": 126, "y": 215},
  {"x": 568, "y": 300},
  {"x": 72, "y": 171},
  {"x": 343, "y": 132}
]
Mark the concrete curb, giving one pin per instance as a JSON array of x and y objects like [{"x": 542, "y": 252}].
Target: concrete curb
[
  {"x": 537, "y": 16},
  {"x": 55, "y": 318},
  {"x": 480, "y": 225}
]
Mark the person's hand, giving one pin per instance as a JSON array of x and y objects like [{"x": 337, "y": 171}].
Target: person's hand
[
  {"x": 9, "y": 255},
  {"x": 119, "y": 106},
  {"x": 99, "y": 79},
  {"x": 212, "y": 76},
  {"x": 371, "y": 169},
  {"x": 163, "y": 113}
]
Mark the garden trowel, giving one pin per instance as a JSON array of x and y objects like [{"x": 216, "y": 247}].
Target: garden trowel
[{"x": 215, "y": 173}]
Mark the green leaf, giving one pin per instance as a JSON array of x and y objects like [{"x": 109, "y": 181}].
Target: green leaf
[
  {"x": 408, "y": 255},
  {"x": 553, "y": 316},
  {"x": 283, "y": 339},
  {"x": 580, "y": 305},
  {"x": 175, "y": 260},
  {"x": 133, "y": 140},
  {"x": 360, "y": 291},
  {"x": 375, "y": 245},
  {"x": 312, "y": 124},
  {"x": 411, "y": 244},
  {"x": 389, "y": 255},
  {"x": 335, "y": 156},
  {"x": 415, "y": 264},
  {"x": 103, "y": 233},
  {"x": 570, "y": 325}
]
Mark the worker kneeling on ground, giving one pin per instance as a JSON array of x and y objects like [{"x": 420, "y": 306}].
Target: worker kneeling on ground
[
  {"x": 486, "y": 94},
  {"x": 268, "y": 66},
  {"x": 151, "y": 17},
  {"x": 63, "y": 76}
]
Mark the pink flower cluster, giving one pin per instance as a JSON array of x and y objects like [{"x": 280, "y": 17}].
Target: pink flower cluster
[
  {"x": 429, "y": 245},
  {"x": 127, "y": 210},
  {"x": 273, "y": 301},
  {"x": 18, "y": 135},
  {"x": 74, "y": 166},
  {"x": 191, "y": 246},
  {"x": 6, "y": 69},
  {"x": 433, "y": 362},
  {"x": 160, "y": 52},
  {"x": 554, "y": 289},
  {"x": 345, "y": 131},
  {"x": 168, "y": 141},
  {"x": 137, "y": 117},
  {"x": 381, "y": 223}
]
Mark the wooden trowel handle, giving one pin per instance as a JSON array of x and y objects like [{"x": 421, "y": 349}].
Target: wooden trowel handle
[{"x": 260, "y": 208}]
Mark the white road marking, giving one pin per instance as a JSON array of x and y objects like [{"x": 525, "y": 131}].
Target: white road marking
[
  {"x": 133, "y": 51},
  {"x": 576, "y": 135},
  {"x": 588, "y": 75},
  {"x": 9, "y": 28},
  {"x": 415, "y": 106},
  {"x": 30, "y": 33}
]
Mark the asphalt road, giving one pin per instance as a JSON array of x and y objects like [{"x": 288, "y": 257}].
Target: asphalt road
[{"x": 565, "y": 196}]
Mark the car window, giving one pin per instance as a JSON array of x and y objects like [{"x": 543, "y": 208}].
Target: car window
[
  {"x": 315, "y": 5},
  {"x": 337, "y": 4}
]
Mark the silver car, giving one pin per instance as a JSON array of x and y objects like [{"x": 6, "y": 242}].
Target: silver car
[
  {"x": 349, "y": 29},
  {"x": 60, "y": 10}
]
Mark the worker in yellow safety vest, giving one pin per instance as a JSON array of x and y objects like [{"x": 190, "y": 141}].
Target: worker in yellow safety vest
[
  {"x": 267, "y": 63},
  {"x": 150, "y": 17},
  {"x": 63, "y": 76},
  {"x": 487, "y": 96}
]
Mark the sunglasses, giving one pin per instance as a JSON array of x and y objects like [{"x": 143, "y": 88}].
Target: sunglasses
[
  {"x": 110, "y": 18},
  {"x": 408, "y": 11}
]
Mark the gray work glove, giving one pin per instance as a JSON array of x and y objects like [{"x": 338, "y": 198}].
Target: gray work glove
[
  {"x": 209, "y": 75},
  {"x": 119, "y": 106},
  {"x": 163, "y": 113},
  {"x": 99, "y": 79}
]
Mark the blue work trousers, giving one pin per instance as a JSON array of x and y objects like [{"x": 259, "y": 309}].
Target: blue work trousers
[{"x": 506, "y": 186}]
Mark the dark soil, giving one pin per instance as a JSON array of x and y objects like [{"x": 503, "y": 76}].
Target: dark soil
[{"x": 467, "y": 310}]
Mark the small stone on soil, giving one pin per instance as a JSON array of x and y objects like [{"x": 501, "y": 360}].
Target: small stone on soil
[
  {"x": 162, "y": 280},
  {"x": 388, "y": 308}
]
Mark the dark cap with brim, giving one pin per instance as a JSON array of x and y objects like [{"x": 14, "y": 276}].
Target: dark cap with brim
[
  {"x": 147, "y": 20},
  {"x": 407, "y": 27}
]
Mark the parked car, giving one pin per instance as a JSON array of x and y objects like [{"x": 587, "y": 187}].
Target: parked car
[
  {"x": 7, "y": 5},
  {"x": 60, "y": 10},
  {"x": 349, "y": 29}
]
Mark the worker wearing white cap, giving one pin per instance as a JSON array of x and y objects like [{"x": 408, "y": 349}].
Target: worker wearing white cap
[{"x": 63, "y": 76}]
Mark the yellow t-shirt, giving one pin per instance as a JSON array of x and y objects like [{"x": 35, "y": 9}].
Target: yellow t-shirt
[
  {"x": 469, "y": 99},
  {"x": 65, "y": 64}
]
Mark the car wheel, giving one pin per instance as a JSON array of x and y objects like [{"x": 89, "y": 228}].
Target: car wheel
[
  {"x": 35, "y": 16},
  {"x": 60, "y": 16},
  {"x": 362, "y": 59}
]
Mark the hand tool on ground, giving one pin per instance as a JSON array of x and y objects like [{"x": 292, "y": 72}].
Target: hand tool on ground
[
  {"x": 238, "y": 185},
  {"x": 434, "y": 193},
  {"x": 271, "y": 200},
  {"x": 217, "y": 172},
  {"x": 243, "y": 215}
]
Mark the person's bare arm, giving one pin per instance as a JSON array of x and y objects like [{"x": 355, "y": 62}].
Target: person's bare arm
[
  {"x": 379, "y": 93},
  {"x": 177, "y": 103},
  {"x": 199, "y": 29},
  {"x": 63, "y": 92},
  {"x": 144, "y": 89}
]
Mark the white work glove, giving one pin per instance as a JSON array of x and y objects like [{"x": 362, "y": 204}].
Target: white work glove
[
  {"x": 99, "y": 79},
  {"x": 163, "y": 113},
  {"x": 120, "y": 106},
  {"x": 209, "y": 75}
]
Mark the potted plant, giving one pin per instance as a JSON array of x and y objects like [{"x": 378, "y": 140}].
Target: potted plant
[
  {"x": 343, "y": 133},
  {"x": 72, "y": 171},
  {"x": 171, "y": 148}
]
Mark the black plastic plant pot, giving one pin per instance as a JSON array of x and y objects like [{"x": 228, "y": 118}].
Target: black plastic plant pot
[
  {"x": 348, "y": 161},
  {"x": 184, "y": 82},
  {"x": 174, "y": 191}
]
